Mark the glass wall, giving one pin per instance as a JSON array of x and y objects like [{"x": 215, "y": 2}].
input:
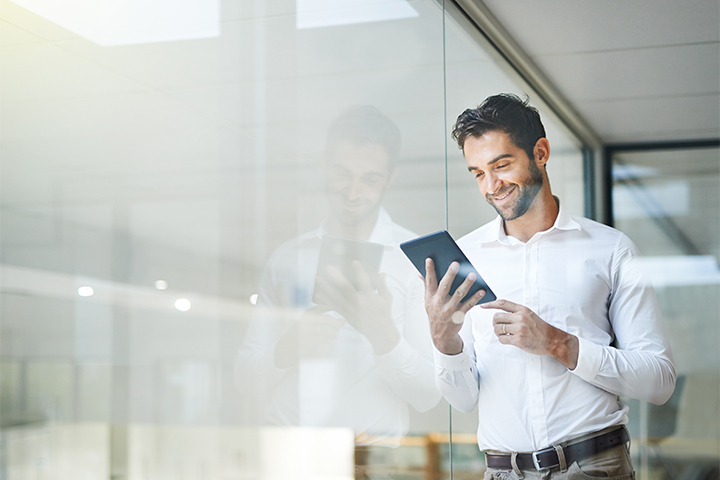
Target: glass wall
[
  {"x": 184, "y": 194},
  {"x": 667, "y": 201}
]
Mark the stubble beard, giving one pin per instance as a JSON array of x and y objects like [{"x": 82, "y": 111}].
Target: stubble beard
[{"x": 527, "y": 192}]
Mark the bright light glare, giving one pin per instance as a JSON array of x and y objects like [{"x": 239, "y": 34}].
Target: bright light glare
[
  {"x": 182, "y": 304},
  {"x": 161, "y": 285},
  {"x": 253, "y": 298},
  {"x": 126, "y": 22},
  {"x": 86, "y": 291},
  {"x": 325, "y": 13}
]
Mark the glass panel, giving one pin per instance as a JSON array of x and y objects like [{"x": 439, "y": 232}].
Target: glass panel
[
  {"x": 167, "y": 182},
  {"x": 667, "y": 202},
  {"x": 172, "y": 303}
]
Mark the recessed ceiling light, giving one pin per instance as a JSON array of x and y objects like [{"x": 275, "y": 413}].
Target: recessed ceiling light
[
  {"x": 86, "y": 291},
  {"x": 182, "y": 304}
]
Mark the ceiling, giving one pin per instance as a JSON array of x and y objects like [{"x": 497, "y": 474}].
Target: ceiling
[
  {"x": 207, "y": 148},
  {"x": 645, "y": 70}
]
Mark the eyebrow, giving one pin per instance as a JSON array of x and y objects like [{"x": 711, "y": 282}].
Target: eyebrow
[{"x": 493, "y": 161}]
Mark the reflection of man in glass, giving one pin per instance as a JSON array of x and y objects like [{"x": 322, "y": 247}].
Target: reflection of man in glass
[{"x": 344, "y": 347}]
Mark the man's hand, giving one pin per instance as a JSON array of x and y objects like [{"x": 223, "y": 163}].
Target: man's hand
[
  {"x": 307, "y": 337},
  {"x": 519, "y": 326},
  {"x": 367, "y": 311},
  {"x": 447, "y": 312}
]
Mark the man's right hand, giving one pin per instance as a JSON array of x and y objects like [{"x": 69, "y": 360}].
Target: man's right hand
[{"x": 447, "y": 312}]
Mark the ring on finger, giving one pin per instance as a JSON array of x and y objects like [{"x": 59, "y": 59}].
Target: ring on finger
[{"x": 504, "y": 331}]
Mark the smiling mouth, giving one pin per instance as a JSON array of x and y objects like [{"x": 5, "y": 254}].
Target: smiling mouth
[{"x": 497, "y": 198}]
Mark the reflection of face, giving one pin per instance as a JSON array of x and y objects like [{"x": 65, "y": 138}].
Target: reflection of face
[
  {"x": 507, "y": 178},
  {"x": 357, "y": 178}
]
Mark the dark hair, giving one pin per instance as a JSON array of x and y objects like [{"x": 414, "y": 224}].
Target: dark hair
[
  {"x": 505, "y": 112},
  {"x": 365, "y": 125}
]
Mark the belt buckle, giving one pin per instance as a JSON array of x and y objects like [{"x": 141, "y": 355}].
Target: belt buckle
[{"x": 536, "y": 460}]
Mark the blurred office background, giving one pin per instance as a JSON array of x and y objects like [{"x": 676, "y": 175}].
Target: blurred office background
[{"x": 155, "y": 154}]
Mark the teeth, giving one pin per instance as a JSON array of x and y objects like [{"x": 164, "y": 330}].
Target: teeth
[{"x": 504, "y": 196}]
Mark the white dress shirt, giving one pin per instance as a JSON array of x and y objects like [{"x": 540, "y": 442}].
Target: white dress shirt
[
  {"x": 583, "y": 278},
  {"x": 346, "y": 384}
]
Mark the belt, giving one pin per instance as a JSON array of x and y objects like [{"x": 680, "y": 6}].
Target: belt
[{"x": 547, "y": 458}]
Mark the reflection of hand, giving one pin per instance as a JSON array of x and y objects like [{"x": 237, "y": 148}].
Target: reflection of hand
[
  {"x": 446, "y": 312},
  {"x": 367, "y": 311},
  {"x": 519, "y": 326},
  {"x": 310, "y": 334}
]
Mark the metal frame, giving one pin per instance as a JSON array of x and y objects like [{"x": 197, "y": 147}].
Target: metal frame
[{"x": 610, "y": 149}]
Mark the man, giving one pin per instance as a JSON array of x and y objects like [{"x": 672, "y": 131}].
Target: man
[
  {"x": 322, "y": 351},
  {"x": 538, "y": 362}
]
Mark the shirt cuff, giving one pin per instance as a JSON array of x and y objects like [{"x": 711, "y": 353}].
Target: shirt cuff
[
  {"x": 589, "y": 359},
  {"x": 458, "y": 362},
  {"x": 402, "y": 354}
]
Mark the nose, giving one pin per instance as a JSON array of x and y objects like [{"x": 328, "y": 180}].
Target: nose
[
  {"x": 354, "y": 189},
  {"x": 492, "y": 183}
]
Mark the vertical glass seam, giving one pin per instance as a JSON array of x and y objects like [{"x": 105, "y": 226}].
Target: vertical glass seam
[{"x": 447, "y": 201}]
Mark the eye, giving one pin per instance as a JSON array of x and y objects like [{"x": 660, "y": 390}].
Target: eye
[
  {"x": 502, "y": 165},
  {"x": 372, "y": 180},
  {"x": 479, "y": 174}
]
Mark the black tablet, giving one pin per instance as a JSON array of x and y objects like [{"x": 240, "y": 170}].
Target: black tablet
[
  {"x": 443, "y": 250},
  {"x": 341, "y": 252}
]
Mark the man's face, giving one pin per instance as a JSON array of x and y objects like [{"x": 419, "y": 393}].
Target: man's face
[
  {"x": 507, "y": 178},
  {"x": 357, "y": 178}
]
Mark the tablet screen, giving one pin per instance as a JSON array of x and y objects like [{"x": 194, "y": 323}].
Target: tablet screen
[{"x": 443, "y": 250}]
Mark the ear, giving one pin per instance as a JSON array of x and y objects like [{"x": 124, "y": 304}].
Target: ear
[
  {"x": 542, "y": 151},
  {"x": 393, "y": 175}
]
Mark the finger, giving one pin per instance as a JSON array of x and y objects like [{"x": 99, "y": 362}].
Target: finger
[
  {"x": 362, "y": 277},
  {"x": 448, "y": 278},
  {"x": 506, "y": 339},
  {"x": 430, "y": 277},
  {"x": 502, "y": 317},
  {"x": 340, "y": 280},
  {"x": 472, "y": 301},
  {"x": 464, "y": 287},
  {"x": 503, "y": 329},
  {"x": 501, "y": 304},
  {"x": 318, "y": 309},
  {"x": 327, "y": 294}
]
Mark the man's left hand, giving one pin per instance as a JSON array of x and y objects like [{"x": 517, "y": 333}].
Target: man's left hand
[
  {"x": 366, "y": 310},
  {"x": 519, "y": 326}
]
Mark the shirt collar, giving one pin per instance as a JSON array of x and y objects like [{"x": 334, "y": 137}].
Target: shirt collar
[{"x": 496, "y": 230}]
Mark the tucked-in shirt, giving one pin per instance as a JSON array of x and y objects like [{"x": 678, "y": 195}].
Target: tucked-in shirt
[
  {"x": 583, "y": 278},
  {"x": 345, "y": 384}
]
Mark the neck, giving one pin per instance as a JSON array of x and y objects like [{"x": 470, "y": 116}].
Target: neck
[
  {"x": 540, "y": 217},
  {"x": 356, "y": 231}
]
